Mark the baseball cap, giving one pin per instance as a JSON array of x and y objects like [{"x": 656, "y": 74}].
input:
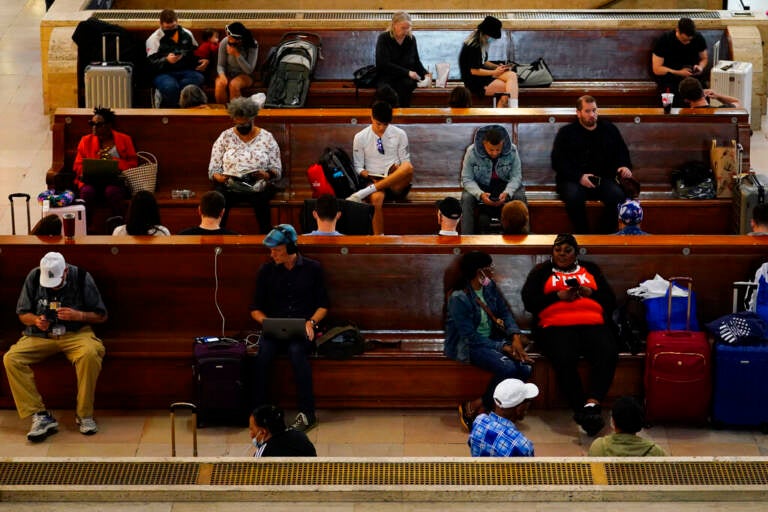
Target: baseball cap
[
  {"x": 630, "y": 212},
  {"x": 52, "y": 267},
  {"x": 281, "y": 235},
  {"x": 450, "y": 207},
  {"x": 512, "y": 392}
]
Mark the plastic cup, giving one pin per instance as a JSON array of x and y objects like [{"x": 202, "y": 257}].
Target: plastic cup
[
  {"x": 68, "y": 222},
  {"x": 666, "y": 100}
]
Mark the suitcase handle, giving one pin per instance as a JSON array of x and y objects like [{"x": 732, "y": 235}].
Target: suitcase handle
[
  {"x": 672, "y": 282},
  {"x": 192, "y": 407},
  {"x": 13, "y": 196}
]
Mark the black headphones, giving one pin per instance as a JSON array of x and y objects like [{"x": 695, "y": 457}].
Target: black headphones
[{"x": 290, "y": 246}]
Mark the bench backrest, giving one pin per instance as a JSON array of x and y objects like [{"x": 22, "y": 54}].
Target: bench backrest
[
  {"x": 578, "y": 54},
  {"x": 164, "y": 287},
  {"x": 438, "y": 138}
]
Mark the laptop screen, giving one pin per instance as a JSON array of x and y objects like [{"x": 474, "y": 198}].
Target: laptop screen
[{"x": 285, "y": 329}]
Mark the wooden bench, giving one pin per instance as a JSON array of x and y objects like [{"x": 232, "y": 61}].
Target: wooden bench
[
  {"x": 160, "y": 294},
  {"x": 658, "y": 143},
  {"x": 612, "y": 64}
]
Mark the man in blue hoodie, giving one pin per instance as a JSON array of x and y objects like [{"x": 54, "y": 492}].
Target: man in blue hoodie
[{"x": 491, "y": 175}]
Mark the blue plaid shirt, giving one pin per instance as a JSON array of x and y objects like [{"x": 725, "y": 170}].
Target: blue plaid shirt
[{"x": 494, "y": 436}]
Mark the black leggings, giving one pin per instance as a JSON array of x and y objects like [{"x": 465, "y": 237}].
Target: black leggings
[{"x": 564, "y": 345}]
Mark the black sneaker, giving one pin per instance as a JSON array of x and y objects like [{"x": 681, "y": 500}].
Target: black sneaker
[
  {"x": 304, "y": 423},
  {"x": 590, "y": 420}
]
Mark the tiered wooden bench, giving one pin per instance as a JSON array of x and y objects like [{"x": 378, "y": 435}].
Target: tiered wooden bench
[
  {"x": 611, "y": 64},
  {"x": 160, "y": 294},
  {"x": 658, "y": 143}
]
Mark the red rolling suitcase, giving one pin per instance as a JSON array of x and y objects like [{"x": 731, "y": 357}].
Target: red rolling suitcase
[{"x": 678, "y": 372}]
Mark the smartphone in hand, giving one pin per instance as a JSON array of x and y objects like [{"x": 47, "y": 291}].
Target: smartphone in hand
[{"x": 595, "y": 180}]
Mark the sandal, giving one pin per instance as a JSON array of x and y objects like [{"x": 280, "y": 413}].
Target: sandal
[{"x": 466, "y": 415}]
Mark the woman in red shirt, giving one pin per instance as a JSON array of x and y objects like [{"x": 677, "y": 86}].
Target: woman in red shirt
[
  {"x": 572, "y": 304},
  {"x": 106, "y": 144}
]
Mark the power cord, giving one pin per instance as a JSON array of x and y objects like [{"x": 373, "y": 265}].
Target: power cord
[{"x": 216, "y": 253}]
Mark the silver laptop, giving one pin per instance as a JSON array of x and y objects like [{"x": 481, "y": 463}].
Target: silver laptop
[{"x": 285, "y": 329}]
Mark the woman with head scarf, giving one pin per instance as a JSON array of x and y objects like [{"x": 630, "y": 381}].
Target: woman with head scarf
[{"x": 572, "y": 303}]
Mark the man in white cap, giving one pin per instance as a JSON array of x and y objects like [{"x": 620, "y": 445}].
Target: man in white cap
[
  {"x": 495, "y": 434},
  {"x": 289, "y": 286},
  {"x": 58, "y": 304}
]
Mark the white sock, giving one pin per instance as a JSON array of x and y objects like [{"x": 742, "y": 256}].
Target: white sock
[
  {"x": 513, "y": 103},
  {"x": 365, "y": 192}
]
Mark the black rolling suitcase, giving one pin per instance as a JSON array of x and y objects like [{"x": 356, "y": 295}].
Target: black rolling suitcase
[
  {"x": 219, "y": 378},
  {"x": 11, "y": 197}
]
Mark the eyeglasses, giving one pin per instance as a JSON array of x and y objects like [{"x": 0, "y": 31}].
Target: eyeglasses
[
  {"x": 379, "y": 145},
  {"x": 96, "y": 123}
]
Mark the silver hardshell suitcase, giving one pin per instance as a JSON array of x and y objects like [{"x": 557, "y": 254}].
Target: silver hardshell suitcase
[
  {"x": 109, "y": 84},
  {"x": 748, "y": 193}
]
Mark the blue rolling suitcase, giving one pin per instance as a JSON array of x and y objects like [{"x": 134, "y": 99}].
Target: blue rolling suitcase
[
  {"x": 741, "y": 385},
  {"x": 740, "y": 391}
]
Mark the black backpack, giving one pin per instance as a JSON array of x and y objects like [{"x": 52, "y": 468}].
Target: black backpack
[
  {"x": 338, "y": 170},
  {"x": 342, "y": 342}
]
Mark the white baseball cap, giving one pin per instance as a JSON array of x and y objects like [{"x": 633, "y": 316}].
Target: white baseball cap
[
  {"x": 512, "y": 392},
  {"x": 52, "y": 267}
]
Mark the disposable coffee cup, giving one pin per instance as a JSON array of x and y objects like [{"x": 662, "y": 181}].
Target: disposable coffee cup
[
  {"x": 68, "y": 222},
  {"x": 666, "y": 100}
]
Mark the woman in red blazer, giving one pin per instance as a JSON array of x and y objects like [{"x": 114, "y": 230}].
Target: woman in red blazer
[{"x": 104, "y": 143}]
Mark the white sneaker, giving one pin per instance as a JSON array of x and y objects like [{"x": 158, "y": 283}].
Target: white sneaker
[
  {"x": 87, "y": 425},
  {"x": 43, "y": 425},
  {"x": 355, "y": 198}
]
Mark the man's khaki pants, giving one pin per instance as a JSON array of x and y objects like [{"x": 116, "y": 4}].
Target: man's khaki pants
[{"x": 83, "y": 349}]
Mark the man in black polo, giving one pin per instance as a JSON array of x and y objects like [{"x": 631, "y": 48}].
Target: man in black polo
[
  {"x": 678, "y": 54},
  {"x": 289, "y": 286}
]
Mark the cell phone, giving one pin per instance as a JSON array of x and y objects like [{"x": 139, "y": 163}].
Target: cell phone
[
  {"x": 207, "y": 339},
  {"x": 493, "y": 198},
  {"x": 572, "y": 282},
  {"x": 595, "y": 180}
]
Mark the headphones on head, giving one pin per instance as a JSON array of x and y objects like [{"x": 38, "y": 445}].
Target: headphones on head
[{"x": 290, "y": 246}]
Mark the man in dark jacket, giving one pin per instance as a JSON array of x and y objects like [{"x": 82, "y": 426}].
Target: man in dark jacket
[
  {"x": 170, "y": 51},
  {"x": 587, "y": 156}
]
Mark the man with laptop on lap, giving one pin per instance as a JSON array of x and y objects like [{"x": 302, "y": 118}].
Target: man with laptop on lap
[{"x": 289, "y": 301}]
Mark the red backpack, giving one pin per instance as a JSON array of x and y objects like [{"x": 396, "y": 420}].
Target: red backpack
[{"x": 318, "y": 181}]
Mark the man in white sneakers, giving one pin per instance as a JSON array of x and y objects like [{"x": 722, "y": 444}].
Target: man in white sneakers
[
  {"x": 380, "y": 155},
  {"x": 58, "y": 304}
]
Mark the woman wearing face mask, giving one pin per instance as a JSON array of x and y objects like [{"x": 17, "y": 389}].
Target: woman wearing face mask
[
  {"x": 245, "y": 162},
  {"x": 236, "y": 62},
  {"x": 572, "y": 304},
  {"x": 481, "y": 76},
  {"x": 272, "y": 438},
  {"x": 480, "y": 329}
]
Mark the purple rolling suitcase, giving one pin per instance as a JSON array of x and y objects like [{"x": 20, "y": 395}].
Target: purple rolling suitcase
[{"x": 219, "y": 379}]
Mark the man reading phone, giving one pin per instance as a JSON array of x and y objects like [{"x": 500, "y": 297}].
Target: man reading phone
[{"x": 588, "y": 156}]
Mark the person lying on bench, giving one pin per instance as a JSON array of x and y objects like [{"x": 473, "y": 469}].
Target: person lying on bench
[
  {"x": 380, "y": 154},
  {"x": 695, "y": 96}
]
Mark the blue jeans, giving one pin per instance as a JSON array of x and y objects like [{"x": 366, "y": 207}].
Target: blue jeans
[
  {"x": 171, "y": 84},
  {"x": 501, "y": 366},
  {"x": 302, "y": 371}
]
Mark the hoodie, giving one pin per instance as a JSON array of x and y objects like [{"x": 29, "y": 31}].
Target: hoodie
[{"x": 477, "y": 166}]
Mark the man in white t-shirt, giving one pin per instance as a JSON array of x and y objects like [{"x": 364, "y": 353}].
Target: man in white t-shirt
[{"x": 380, "y": 154}]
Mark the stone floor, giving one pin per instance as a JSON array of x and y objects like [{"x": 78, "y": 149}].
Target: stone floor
[{"x": 25, "y": 154}]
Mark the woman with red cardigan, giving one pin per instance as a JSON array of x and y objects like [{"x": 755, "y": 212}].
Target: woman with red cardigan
[{"x": 106, "y": 144}]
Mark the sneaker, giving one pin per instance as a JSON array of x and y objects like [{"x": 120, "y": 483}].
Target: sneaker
[
  {"x": 466, "y": 417},
  {"x": 87, "y": 425},
  {"x": 157, "y": 98},
  {"x": 355, "y": 198},
  {"x": 43, "y": 425},
  {"x": 590, "y": 420},
  {"x": 304, "y": 423}
]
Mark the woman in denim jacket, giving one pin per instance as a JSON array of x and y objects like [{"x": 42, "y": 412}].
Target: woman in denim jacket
[{"x": 471, "y": 335}]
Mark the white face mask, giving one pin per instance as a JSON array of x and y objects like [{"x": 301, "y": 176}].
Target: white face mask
[
  {"x": 484, "y": 279},
  {"x": 256, "y": 443}
]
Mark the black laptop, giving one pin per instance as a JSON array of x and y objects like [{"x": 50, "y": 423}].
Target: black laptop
[
  {"x": 100, "y": 173},
  {"x": 285, "y": 329}
]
